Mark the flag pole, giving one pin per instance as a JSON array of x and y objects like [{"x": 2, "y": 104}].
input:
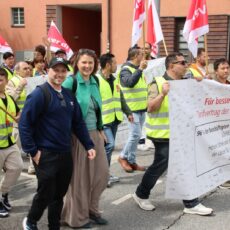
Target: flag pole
[
  {"x": 144, "y": 29},
  {"x": 165, "y": 47},
  {"x": 206, "y": 52}
]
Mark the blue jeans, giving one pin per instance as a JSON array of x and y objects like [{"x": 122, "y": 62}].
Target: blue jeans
[
  {"x": 155, "y": 170},
  {"x": 135, "y": 132},
  {"x": 110, "y": 133}
]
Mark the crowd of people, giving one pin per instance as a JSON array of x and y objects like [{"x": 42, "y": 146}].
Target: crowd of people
[{"x": 68, "y": 126}]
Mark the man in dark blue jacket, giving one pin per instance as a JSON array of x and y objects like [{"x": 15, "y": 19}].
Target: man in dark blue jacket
[{"x": 45, "y": 132}]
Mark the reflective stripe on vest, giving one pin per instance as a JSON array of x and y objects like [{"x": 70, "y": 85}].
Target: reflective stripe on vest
[
  {"x": 22, "y": 98},
  {"x": 111, "y": 103},
  {"x": 157, "y": 123},
  {"x": 195, "y": 73},
  {"x": 136, "y": 97},
  {"x": 6, "y": 122}
]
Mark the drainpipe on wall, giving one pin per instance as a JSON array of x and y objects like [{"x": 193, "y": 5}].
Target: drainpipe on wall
[
  {"x": 157, "y": 3},
  {"x": 108, "y": 26},
  {"x": 228, "y": 49}
]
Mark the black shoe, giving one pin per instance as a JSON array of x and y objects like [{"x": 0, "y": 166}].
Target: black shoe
[
  {"x": 28, "y": 226},
  {"x": 87, "y": 225},
  {"x": 98, "y": 220},
  {"x": 3, "y": 211},
  {"x": 5, "y": 202}
]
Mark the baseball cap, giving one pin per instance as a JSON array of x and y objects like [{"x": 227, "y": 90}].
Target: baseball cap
[
  {"x": 56, "y": 61},
  {"x": 60, "y": 52}
]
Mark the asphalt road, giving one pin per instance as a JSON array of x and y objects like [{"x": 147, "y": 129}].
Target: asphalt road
[{"x": 121, "y": 211}]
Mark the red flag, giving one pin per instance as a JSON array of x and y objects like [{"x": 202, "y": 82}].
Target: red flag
[
  {"x": 4, "y": 46},
  {"x": 57, "y": 41},
  {"x": 154, "y": 31},
  {"x": 138, "y": 19},
  {"x": 196, "y": 24}
]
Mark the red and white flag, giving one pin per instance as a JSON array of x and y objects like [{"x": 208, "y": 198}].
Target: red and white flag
[
  {"x": 4, "y": 46},
  {"x": 154, "y": 31},
  {"x": 57, "y": 41},
  {"x": 138, "y": 19},
  {"x": 196, "y": 24}
]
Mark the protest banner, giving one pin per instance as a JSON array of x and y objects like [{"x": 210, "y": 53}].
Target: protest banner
[
  {"x": 32, "y": 82},
  {"x": 199, "y": 156}
]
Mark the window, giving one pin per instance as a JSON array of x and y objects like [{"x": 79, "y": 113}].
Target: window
[
  {"x": 18, "y": 17},
  {"x": 181, "y": 44}
]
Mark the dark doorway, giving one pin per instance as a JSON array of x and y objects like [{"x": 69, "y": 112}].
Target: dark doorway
[{"x": 81, "y": 26}]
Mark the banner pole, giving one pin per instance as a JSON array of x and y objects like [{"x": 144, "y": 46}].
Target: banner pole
[
  {"x": 166, "y": 51},
  {"x": 8, "y": 114},
  {"x": 206, "y": 52}
]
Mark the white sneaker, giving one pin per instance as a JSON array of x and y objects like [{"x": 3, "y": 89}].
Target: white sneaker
[
  {"x": 144, "y": 204},
  {"x": 142, "y": 147},
  {"x": 114, "y": 179},
  {"x": 199, "y": 210}
]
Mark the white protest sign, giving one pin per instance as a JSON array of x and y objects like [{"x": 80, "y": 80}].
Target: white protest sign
[
  {"x": 199, "y": 158},
  {"x": 32, "y": 82},
  {"x": 155, "y": 68}
]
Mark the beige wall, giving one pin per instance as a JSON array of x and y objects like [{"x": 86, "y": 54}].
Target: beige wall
[
  {"x": 121, "y": 20},
  {"x": 179, "y": 8},
  {"x": 35, "y": 21}
]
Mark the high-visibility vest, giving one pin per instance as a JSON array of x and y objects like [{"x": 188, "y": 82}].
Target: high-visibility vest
[
  {"x": 195, "y": 72},
  {"x": 22, "y": 98},
  {"x": 6, "y": 122},
  {"x": 9, "y": 73},
  {"x": 71, "y": 69},
  {"x": 111, "y": 102},
  {"x": 157, "y": 122},
  {"x": 136, "y": 97}
]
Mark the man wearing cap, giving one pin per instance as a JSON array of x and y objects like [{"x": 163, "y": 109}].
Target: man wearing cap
[
  {"x": 62, "y": 54},
  {"x": 45, "y": 132}
]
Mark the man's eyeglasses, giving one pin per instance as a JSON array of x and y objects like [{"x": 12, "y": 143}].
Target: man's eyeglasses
[
  {"x": 180, "y": 62},
  {"x": 62, "y": 100}
]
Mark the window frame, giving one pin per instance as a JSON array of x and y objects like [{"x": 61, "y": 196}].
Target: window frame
[{"x": 20, "y": 14}]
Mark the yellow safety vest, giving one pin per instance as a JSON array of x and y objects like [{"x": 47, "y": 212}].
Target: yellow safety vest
[
  {"x": 6, "y": 122},
  {"x": 195, "y": 73},
  {"x": 71, "y": 69},
  {"x": 157, "y": 122},
  {"x": 136, "y": 97},
  {"x": 111, "y": 102},
  {"x": 22, "y": 98},
  {"x": 9, "y": 73}
]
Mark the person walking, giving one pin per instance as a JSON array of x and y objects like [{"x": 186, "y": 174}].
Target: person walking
[
  {"x": 222, "y": 73},
  {"x": 157, "y": 129},
  {"x": 113, "y": 105},
  {"x": 134, "y": 88},
  {"x": 49, "y": 116},
  {"x": 10, "y": 159},
  {"x": 16, "y": 88},
  {"x": 89, "y": 179}
]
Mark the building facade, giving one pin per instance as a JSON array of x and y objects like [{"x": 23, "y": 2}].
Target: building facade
[{"x": 105, "y": 25}]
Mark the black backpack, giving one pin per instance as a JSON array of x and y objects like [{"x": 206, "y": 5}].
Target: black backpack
[{"x": 47, "y": 95}]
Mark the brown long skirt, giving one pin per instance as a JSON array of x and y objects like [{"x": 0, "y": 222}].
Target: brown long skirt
[{"x": 88, "y": 181}]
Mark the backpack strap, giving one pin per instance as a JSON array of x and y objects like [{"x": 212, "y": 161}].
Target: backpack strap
[
  {"x": 74, "y": 87},
  {"x": 47, "y": 95}
]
